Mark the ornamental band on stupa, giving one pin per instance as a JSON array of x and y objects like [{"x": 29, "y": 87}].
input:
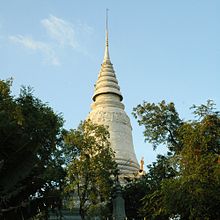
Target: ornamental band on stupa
[{"x": 108, "y": 109}]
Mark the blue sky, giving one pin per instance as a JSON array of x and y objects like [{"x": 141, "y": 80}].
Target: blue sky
[{"x": 160, "y": 50}]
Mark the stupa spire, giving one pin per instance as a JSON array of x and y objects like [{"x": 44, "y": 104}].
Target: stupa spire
[
  {"x": 107, "y": 82},
  {"x": 108, "y": 110},
  {"x": 106, "y": 55}
]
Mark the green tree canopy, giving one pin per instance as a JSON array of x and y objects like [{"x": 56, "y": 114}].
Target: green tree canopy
[
  {"x": 30, "y": 154},
  {"x": 161, "y": 122},
  {"x": 93, "y": 168},
  {"x": 194, "y": 155}
]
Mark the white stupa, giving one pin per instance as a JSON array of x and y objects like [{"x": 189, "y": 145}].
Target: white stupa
[{"x": 108, "y": 109}]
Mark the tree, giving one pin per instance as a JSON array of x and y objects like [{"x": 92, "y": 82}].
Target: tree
[
  {"x": 92, "y": 169},
  {"x": 133, "y": 192},
  {"x": 194, "y": 149},
  {"x": 30, "y": 154},
  {"x": 143, "y": 194},
  {"x": 161, "y": 123},
  {"x": 153, "y": 203}
]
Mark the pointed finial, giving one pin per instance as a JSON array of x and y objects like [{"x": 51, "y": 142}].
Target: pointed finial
[
  {"x": 106, "y": 25},
  {"x": 142, "y": 164},
  {"x": 106, "y": 56}
]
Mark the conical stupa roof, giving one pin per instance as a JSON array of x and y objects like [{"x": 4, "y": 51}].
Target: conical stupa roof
[{"x": 107, "y": 81}]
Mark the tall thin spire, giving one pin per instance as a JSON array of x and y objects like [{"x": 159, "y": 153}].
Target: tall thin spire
[
  {"x": 106, "y": 55},
  {"x": 107, "y": 82}
]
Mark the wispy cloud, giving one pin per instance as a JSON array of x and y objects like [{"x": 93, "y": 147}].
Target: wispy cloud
[
  {"x": 61, "y": 31},
  {"x": 34, "y": 45},
  {"x": 61, "y": 34}
]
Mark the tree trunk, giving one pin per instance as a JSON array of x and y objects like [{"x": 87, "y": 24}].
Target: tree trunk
[{"x": 82, "y": 213}]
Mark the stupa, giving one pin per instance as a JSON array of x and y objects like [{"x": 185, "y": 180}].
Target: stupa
[{"x": 108, "y": 109}]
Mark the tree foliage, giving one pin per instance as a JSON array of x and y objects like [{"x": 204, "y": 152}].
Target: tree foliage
[
  {"x": 160, "y": 122},
  {"x": 92, "y": 169},
  {"x": 194, "y": 155},
  {"x": 30, "y": 154},
  {"x": 133, "y": 192},
  {"x": 143, "y": 194}
]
